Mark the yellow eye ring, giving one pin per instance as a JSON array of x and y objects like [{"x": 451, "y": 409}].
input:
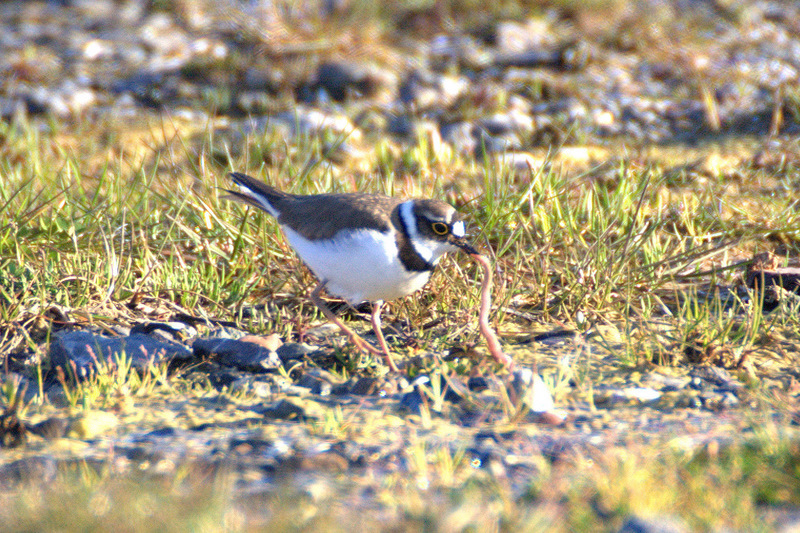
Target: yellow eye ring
[{"x": 440, "y": 228}]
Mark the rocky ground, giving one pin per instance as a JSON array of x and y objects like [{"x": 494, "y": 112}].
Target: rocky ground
[
  {"x": 560, "y": 75},
  {"x": 505, "y": 89}
]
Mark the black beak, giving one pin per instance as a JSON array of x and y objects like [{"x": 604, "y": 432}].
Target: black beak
[{"x": 464, "y": 245}]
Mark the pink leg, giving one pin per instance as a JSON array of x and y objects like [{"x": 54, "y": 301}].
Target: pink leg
[
  {"x": 360, "y": 343},
  {"x": 376, "y": 325}
]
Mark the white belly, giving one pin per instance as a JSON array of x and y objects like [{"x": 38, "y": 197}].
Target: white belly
[{"x": 361, "y": 267}]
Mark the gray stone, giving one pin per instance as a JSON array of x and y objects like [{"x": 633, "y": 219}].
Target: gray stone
[
  {"x": 238, "y": 354},
  {"x": 318, "y": 381},
  {"x": 717, "y": 376},
  {"x": 294, "y": 350},
  {"x": 654, "y": 524},
  {"x": 341, "y": 79},
  {"x": 86, "y": 351}
]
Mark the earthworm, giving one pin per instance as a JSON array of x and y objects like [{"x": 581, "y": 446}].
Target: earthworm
[{"x": 483, "y": 317}]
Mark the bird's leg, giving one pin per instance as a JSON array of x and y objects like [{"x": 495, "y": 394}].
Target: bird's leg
[
  {"x": 360, "y": 343},
  {"x": 376, "y": 325}
]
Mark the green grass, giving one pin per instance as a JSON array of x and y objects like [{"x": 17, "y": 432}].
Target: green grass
[
  {"x": 116, "y": 221},
  {"x": 610, "y": 243},
  {"x": 625, "y": 254}
]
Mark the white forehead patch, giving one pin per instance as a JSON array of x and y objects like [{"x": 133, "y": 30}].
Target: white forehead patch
[{"x": 458, "y": 229}]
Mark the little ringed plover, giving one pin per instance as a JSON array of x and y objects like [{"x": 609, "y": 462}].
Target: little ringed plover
[{"x": 361, "y": 247}]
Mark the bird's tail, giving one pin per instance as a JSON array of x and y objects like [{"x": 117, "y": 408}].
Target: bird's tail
[{"x": 256, "y": 193}]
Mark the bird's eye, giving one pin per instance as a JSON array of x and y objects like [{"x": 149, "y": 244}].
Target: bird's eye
[{"x": 440, "y": 228}]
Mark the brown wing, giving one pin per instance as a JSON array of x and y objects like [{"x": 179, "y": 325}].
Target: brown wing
[
  {"x": 317, "y": 216},
  {"x": 321, "y": 216}
]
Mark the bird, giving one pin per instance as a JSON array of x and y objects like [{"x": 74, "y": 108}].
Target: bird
[{"x": 361, "y": 247}]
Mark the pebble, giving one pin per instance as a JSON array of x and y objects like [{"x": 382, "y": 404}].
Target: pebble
[
  {"x": 294, "y": 350},
  {"x": 295, "y": 409},
  {"x": 240, "y": 354},
  {"x": 380, "y": 386},
  {"x": 521, "y": 164},
  {"x": 249, "y": 384},
  {"x": 286, "y": 410},
  {"x": 424, "y": 90},
  {"x": 654, "y": 524},
  {"x": 608, "y": 397},
  {"x": 666, "y": 383},
  {"x": 532, "y": 390},
  {"x": 717, "y": 376},
  {"x": 343, "y": 79},
  {"x": 51, "y": 428},
  {"x": 318, "y": 381},
  {"x": 171, "y": 331}
]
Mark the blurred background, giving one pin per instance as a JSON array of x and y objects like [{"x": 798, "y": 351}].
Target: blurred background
[{"x": 481, "y": 77}]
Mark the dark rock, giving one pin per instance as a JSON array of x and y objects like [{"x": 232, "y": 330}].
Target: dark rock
[
  {"x": 161, "y": 432},
  {"x": 343, "y": 389},
  {"x": 342, "y": 79},
  {"x": 402, "y": 126},
  {"x": 507, "y": 123},
  {"x": 423, "y": 90},
  {"x": 324, "y": 462},
  {"x": 412, "y": 402},
  {"x": 291, "y": 351},
  {"x": 52, "y": 428},
  {"x": 150, "y": 88},
  {"x": 366, "y": 386},
  {"x": 286, "y": 410},
  {"x": 477, "y": 383},
  {"x": 263, "y": 79},
  {"x": 174, "y": 331},
  {"x": 772, "y": 280},
  {"x": 654, "y": 524},
  {"x": 86, "y": 351},
  {"x": 417, "y": 89},
  {"x": 716, "y": 376},
  {"x": 461, "y": 136},
  {"x": 381, "y": 386},
  {"x": 243, "y": 355},
  {"x": 529, "y": 59},
  {"x": 222, "y": 379},
  {"x": 318, "y": 381}
]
